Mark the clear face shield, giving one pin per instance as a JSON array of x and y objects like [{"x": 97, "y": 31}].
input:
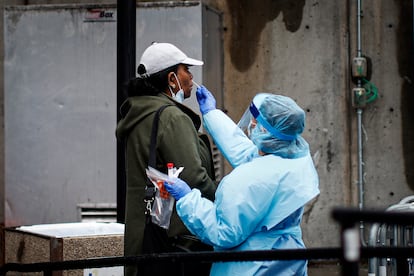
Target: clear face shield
[
  {"x": 245, "y": 122},
  {"x": 249, "y": 118}
]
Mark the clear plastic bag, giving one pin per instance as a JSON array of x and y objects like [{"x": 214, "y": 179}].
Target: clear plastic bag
[
  {"x": 163, "y": 204},
  {"x": 162, "y": 207}
]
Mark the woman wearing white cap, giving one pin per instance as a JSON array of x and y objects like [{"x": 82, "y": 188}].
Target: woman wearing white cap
[{"x": 163, "y": 79}]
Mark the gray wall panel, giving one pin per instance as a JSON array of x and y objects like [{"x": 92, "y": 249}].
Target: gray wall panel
[{"x": 60, "y": 101}]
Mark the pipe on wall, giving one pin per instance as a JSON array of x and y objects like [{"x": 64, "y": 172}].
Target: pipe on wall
[{"x": 359, "y": 128}]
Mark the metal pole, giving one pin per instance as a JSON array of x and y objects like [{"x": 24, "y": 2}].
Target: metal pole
[
  {"x": 360, "y": 161},
  {"x": 126, "y": 48},
  {"x": 359, "y": 15},
  {"x": 359, "y": 128}
]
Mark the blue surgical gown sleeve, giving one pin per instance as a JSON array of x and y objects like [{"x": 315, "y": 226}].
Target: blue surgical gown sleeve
[
  {"x": 242, "y": 200},
  {"x": 235, "y": 146}
]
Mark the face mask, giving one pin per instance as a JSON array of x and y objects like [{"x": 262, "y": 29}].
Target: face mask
[
  {"x": 179, "y": 96},
  {"x": 252, "y": 133},
  {"x": 257, "y": 134},
  {"x": 249, "y": 129}
]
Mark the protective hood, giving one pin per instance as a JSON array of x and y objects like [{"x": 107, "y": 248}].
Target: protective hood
[{"x": 277, "y": 126}]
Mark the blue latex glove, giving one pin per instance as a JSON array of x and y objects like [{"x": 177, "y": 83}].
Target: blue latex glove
[
  {"x": 178, "y": 189},
  {"x": 205, "y": 99}
]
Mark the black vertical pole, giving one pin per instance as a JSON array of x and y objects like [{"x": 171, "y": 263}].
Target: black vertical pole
[{"x": 126, "y": 48}]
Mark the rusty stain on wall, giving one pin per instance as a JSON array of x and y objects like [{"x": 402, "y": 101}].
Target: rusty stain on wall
[
  {"x": 405, "y": 69},
  {"x": 248, "y": 19}
]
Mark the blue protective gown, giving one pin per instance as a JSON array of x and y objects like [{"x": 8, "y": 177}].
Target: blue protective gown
[{"x": 258, "y": 206}]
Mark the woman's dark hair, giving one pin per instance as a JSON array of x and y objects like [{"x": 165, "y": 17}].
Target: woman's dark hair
[{"x": 152, "y": 85}]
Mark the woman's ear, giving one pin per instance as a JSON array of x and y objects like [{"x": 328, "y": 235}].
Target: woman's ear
[{"x": 171, "y": 79}]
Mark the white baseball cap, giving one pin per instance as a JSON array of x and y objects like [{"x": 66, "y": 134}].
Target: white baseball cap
[{"x": 160, "y": 56}]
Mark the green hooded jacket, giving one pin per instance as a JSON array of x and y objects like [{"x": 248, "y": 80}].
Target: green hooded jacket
[{"x": 178, "y": 141}]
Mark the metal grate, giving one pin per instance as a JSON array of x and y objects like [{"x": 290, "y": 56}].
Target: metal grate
[{"x": 97, "y": 212}]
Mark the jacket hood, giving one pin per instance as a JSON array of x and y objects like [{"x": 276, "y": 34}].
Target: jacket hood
[{"x": 136, "y": 109}]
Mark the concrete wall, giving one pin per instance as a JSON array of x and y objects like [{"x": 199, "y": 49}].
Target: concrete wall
[
  {"x": 296, "y": 49},
  {"x": 304, "y": 49}
]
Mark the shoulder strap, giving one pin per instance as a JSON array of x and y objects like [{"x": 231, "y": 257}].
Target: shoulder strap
[
  {"x": 150, "y": 190},
  {"x": 153, "y": 143}
]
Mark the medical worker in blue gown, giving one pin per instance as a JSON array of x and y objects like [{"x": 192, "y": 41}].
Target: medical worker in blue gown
[{"x": 259, "y": 205}]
